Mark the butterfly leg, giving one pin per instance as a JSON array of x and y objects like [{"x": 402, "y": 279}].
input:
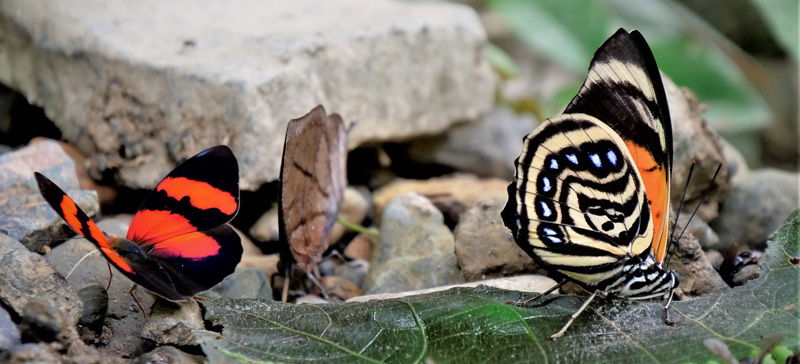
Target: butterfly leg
[
  {"x": 316, "y": 283},
  {"x": 575, "y": 315},
  {"x": 666, "y": 307},
  {"x": 130, "y": 292},
  {"x": 534, "y": 298},
  {"x": 285, "y": 293}
]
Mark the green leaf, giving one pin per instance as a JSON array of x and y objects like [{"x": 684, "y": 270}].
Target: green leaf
[
  {"x": 468, "y": 325},
  {"x": 781, "y": 17},
  {"x": 567, "y": 32},
  {"x": 501, "y": 62},
  {"x": 733, "y": 104}
]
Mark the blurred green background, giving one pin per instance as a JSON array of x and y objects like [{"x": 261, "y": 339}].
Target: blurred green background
[{"x": 740, "y": 57}]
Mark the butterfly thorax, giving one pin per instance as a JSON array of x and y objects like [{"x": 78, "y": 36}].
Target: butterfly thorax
[{"x": 130, "y": 251}]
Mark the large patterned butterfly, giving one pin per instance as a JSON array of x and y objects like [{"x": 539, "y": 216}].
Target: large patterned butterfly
[
  {"x": 178, "y": 243},
  {"x": 591, "y": 195}
]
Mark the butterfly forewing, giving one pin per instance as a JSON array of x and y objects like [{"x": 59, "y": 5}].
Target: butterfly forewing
[
  {"x": 624, "y": 90},
  {"x": 200, "y": 194},
  {"x": 78, "y": 220}
]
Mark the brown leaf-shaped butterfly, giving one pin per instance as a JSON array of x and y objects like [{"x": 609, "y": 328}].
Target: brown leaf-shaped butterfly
[{"x": 313, "y": 179}]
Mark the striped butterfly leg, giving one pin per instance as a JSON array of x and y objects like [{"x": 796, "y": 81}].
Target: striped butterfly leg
[
  {"x": 666, "y": 306},
  {"x": 534, "y": 298},
  {"x": 576, "y": 314}
]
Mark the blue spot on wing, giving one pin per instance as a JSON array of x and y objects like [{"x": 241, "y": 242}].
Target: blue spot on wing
[
  {"x": 546, "y": 212},
  {"x": 595, "y": 160},
  {"x": 612, "y": 157},
  {"x": 555, "y": 240},
  {"x": 546, "y": 184},
  {"x": 553, "y": 163},
  {"x": 572, "y": 158}
]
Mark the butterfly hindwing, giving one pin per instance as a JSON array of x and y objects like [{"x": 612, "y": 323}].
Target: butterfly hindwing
[
  {"x": 577, "y": 205},
  {"x": 313, "y": 179},
  {"x": 199, "y": 260},
  {"x": 624, "y": 90},
  {"x": 200, "y": 194}
]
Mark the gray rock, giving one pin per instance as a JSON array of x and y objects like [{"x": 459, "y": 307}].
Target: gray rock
[
  {"x": 698, "y": 229},
  {"x": 124, "y": 319},
  {"x": 168, "y": 355},
  {"x": 756, "y": 207},
  {"x": 265, "y": 229},
  {"x": 95, "y": 307},
  {"x": 698, "y": 276},
  {"x": 9, "y": 334},
  {"x": 40, "y": 321},
  {"x": 695, "y": 141},
  {"x": 57, "y": 353},
  {"x": 355, "y": 271},
  {"x": 236, "y": 73},
  {"x": 25, "y": 276},
  {"x": 328, "y": 265},
  {"x": 355, "y": 207},
  {"x": 484, "y": 246},
  {"x": 24, "y": 214},
  {"x": 172, "y": 323},
  {"x": 415, "y": 250},
  {"x": 243, "y": 283},
  {"x": 464, "y": 146},
  {"x": 35, "y": 353}
]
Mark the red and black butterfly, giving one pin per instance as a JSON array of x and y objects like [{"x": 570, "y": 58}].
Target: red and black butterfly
[{"x": 178, "y": 243}]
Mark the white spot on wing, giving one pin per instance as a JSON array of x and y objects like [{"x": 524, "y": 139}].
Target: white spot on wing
[
  {"x": 612, "y": 157},
  {"x": 595, "y": 160},
  {"x": 546, "y": 212},
  {"x": 572, "y": 158}
]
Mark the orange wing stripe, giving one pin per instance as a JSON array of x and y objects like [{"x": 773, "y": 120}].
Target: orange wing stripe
[
  {"x": 70, "y": 211},
  {"x": 654, "y": 177},
  {"x": 201, "y": 194},
  {"x": 194, "y": 246}
]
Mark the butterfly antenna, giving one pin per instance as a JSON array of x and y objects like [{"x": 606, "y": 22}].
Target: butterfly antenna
[
  {"x": 678, "y": 214},
  {"x": 79, "y": 263},
  {"x": 110, "y": 275},
  {"x": 702, "y": 199}
]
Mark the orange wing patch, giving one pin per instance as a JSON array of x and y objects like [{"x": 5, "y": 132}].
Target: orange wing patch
[
  {"x": 656, "y": 185},
  {"x": 201, "y": 194},
  {"x": 150, "y": 226},
  {"x": 193, "y": 246}
]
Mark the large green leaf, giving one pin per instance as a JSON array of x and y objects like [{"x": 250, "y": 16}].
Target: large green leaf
[
  {"x": 472, "y": 325},
  {"x": 567, "y": 32}
]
